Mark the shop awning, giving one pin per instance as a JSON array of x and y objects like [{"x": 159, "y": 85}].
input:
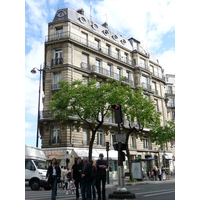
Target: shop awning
[
  {"x": 112, "y": 155},
  {"x": 84, "y": 153},
  {"x": 167, "y": 157}
]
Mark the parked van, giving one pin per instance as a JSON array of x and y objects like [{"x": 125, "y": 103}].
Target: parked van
[{"x": 35, "y": 168}]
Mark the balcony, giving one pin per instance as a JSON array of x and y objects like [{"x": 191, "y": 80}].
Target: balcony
[
  {"x": 45, "y": 114},
  {"x": 148, "y": 147},
  {"x": 55, "y": 141},
  {"x": 155, "y": 91},
  {"x": 160, "y": 76},
  {"x": 85, "y": 66},
  {"x": 133, "y": 147},
  {"x": 57, "y": 61},
  {"x": 171, "y": 105},
  {"x": 142, "y": 65},
  {"x": 169, "y": 92},
  {"x": 146, "y": 86},
  {"x": 55, "y": 86},
  {"x": 77, "y": 38}
]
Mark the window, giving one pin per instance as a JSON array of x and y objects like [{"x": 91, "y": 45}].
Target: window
[
  {"x": 85, "y": 80},
  {"x": 128, "y": 75},
  {"x": 126, "y": 57},
  {"x": 146, "y": 143},
  {"x": 117, "y": 53},
  {"x": 169, "y": 89},
  {"x": 154, "y": 86},
  {"x": 108, "y": 49},
  {"x": 109, "y": 69},
  {"x": 84, "y": 38},
  {"x": 97, "y": 44},
  {"x": 155, "y": 71},
  {"x": 111, "y": 138},
  {"x": 173, "y": 115},
  {"x": 86, "y": 138},
  {"x": 56, "y": 79},
  {"x": 59, "y": 33},
  {"x": 57, "y": 57},
  {"x": 156, "y": 104},
  {"x": 99, "y": 138},
  {"x": 119, "y": 73},
  {"x": 145, "y": 82},
  {"x": 98, "y": 65},
  {"x": 85, "y": 59},
  {"x": 29, "y": 165},
  {"x": 55, "y": 135},
  {"x": 151, "y": 68},
  {"x": 142, "y": 63},
  {"x": 172, "y": 102},
  {"x": 133, "y": 142}
]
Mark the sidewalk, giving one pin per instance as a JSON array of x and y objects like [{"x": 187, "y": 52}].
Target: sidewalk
[{"x": 115, "y": 183}]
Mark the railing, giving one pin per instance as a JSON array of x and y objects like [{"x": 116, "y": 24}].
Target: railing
[
  {"x": 103, "y": 144},
  {"x": 171, "y": 105},
  {"x": 55, "y": 86},
  {"x": 85, "y": 66},
  {"x": 57, "y": 61},
  {"x": 133, "y": 146},
  {"x": 146, "y": 86},
  {"x": 170, "y": 92},
  {"x": 158, "y": 75},
  {"x": 149, "y": 147},
  {"x": 45, "y": 114},
  {"x": 54, "y": 141},
  {"x": 77, "y": 38},
  {"x": 155, "y": 91},
  {"x": 142, "y": 65}
]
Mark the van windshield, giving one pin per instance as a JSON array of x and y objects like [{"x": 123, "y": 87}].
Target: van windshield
[{"x": 40, "y": 164}]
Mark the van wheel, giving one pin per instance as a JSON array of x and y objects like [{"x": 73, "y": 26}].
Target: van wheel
[{"x": 35, "y": 185}]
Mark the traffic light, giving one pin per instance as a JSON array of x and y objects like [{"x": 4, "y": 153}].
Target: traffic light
[{"x": 118, "y": 113}]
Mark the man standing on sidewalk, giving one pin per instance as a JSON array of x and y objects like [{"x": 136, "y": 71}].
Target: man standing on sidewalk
[
  {"x": 102, "y": 165},
  {"x": 76, "y": 175}
]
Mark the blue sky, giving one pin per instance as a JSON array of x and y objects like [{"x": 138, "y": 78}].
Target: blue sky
[{"x": 150, "y": 22}]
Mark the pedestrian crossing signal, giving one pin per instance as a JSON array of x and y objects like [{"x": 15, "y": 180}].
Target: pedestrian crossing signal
[{"x": 118, "y": 113}]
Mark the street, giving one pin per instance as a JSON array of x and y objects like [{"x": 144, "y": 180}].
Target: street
[{"x": 153, "y": 191}]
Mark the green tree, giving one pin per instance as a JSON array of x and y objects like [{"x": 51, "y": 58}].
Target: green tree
[
  {"x": 161, "y": 135},
  {"x": 90, "y": 103},
  {"x": 142, "y": 112}
]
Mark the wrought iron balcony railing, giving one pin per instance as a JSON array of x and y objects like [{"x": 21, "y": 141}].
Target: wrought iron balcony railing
[
  {"x": 85, "y": 66},
  {"x": 171, "y": 105},
  {"x": 149, "y": 147},
  {"x": 133, "y": 146},
  {"x": 55, "y": 86},
  {"x": 155, "y": 91},
  {"x": 169, "y": 92},
  {"x": 57, "y": 61},
  {"x": 45, "y": 114},
  {"x": 146, "y": 86},
  {"x": 54, "y": 141}
]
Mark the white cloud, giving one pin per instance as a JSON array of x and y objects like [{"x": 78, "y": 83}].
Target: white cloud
[
  {"x": 30, "y": 134},
  {"x": 167, "y": 61}
]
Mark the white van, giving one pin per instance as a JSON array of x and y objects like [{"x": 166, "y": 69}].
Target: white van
[{"x": 35, "y": 168}]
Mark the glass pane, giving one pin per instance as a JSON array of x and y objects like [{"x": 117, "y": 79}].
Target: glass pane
[{"x": 85, "y": 58}]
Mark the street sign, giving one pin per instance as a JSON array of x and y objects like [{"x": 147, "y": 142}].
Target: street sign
[{"x": 119, "y": 138}]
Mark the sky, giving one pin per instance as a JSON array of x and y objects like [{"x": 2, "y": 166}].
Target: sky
[{"x": 150, "y": 22}]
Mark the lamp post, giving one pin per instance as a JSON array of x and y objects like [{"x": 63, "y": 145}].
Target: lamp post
[{"x": 33, "y": 71}]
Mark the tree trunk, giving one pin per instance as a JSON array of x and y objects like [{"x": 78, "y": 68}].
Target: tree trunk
[
  {"x": 91, "y": 144},
  {"x": 129, "y": 163}
]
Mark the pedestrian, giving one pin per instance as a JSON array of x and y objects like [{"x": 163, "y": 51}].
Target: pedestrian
[
  {"x": 60, "y": 179},
  {"x": 149, "y": 174},
  {"x": 76, "y": 175},
  {"x": 101, "y": 176},
  {"x": 53, "y": 174},
  {"x": 163, "y": 173},
  {"x": 159, "y": 173},
  {"x": 63, "y": 169},
  {"x": 93, "y": 179},
  {"x": 155, "y": 170},
  {"x": 68, "y": 179},
  {"x": 86, "y": 179}
]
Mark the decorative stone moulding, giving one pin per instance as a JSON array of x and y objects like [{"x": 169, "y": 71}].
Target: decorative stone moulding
[
  {"x": 115, "y": 37},
  {"x": 94, "y": 26},
  {"x": 82, "y": 20},
  {"x": 105, "y": 32}
]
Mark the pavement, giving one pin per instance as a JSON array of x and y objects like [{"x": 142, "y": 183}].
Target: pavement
[{"x": 143, "y": 182}]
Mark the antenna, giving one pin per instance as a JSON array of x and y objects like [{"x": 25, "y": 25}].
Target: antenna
[{"x": 91, "y": 11}]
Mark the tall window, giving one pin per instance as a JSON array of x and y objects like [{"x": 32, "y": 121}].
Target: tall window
[
  {"x": 126, "y": 57},
  {"x": 146, "y": 142},
  {"x": 97, "y": 44},
  {"x": 59, "y": 32},
  {"x": 57, "y": 57},
  {"x": 55, "y": 135},
  {"x": 111, "y": 138},
  {"x": 85, "y": 136},
  {"x": 144, "y": 82},
  {"x": 151, "y": 68},
  {"x": 99, "y": 138},
  {"x": 84, "y": 38},
  {"x": 56, "y": 79},
  {"x": 85, "y": 60},
  {"x": 156, "y": 104},
  {"x": 142, "y": 63},
  {"x": 133, "y": 142},
  {"x": 128, "y": 76},
  {"x": 117, "y": 53},
  {"x": 109, "y": 69},
  {"x": 172, "y": 102},
  {"x": 108, "y": 49},
  {"x": 170, "y": 89},
  {"x": 98, "y": 65},
  {"x": 119, "y": 73}
]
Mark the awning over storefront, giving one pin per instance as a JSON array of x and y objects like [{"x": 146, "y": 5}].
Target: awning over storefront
[
  {"x": 167, "y": 157},
  {"x": 84, "y": 153},
  {"x": 112, "y": 155}
]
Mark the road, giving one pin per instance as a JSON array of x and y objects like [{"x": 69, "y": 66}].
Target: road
[{"x": 156, "y": 191}]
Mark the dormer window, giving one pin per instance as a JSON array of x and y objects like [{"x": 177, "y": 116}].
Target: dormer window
[
  {"x": 94, "y": 26},
  {"x": 82, "y": 20},
  {"x": 123, "y": 41},
  {"x": 115, "y": 37},
  {"x": 105, "y": 32}
]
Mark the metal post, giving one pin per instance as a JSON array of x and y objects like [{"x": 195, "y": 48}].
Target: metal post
[
  {"x": 108, "y": 170},
  {"x": 38, "y": 108}
]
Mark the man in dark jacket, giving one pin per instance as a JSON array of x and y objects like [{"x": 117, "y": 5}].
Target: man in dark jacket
[
  {"x": 76, "y": 175},
  {"x": 86, "y": 179},
  {"x": 53, "y": 174},
  {"x": 101, "y": 176}
]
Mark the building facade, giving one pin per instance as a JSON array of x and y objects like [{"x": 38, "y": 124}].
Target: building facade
[{"x": 78, "y": 48}]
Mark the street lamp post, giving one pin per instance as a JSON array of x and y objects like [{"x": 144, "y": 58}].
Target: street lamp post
[{"x": 33, "y": 71}]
